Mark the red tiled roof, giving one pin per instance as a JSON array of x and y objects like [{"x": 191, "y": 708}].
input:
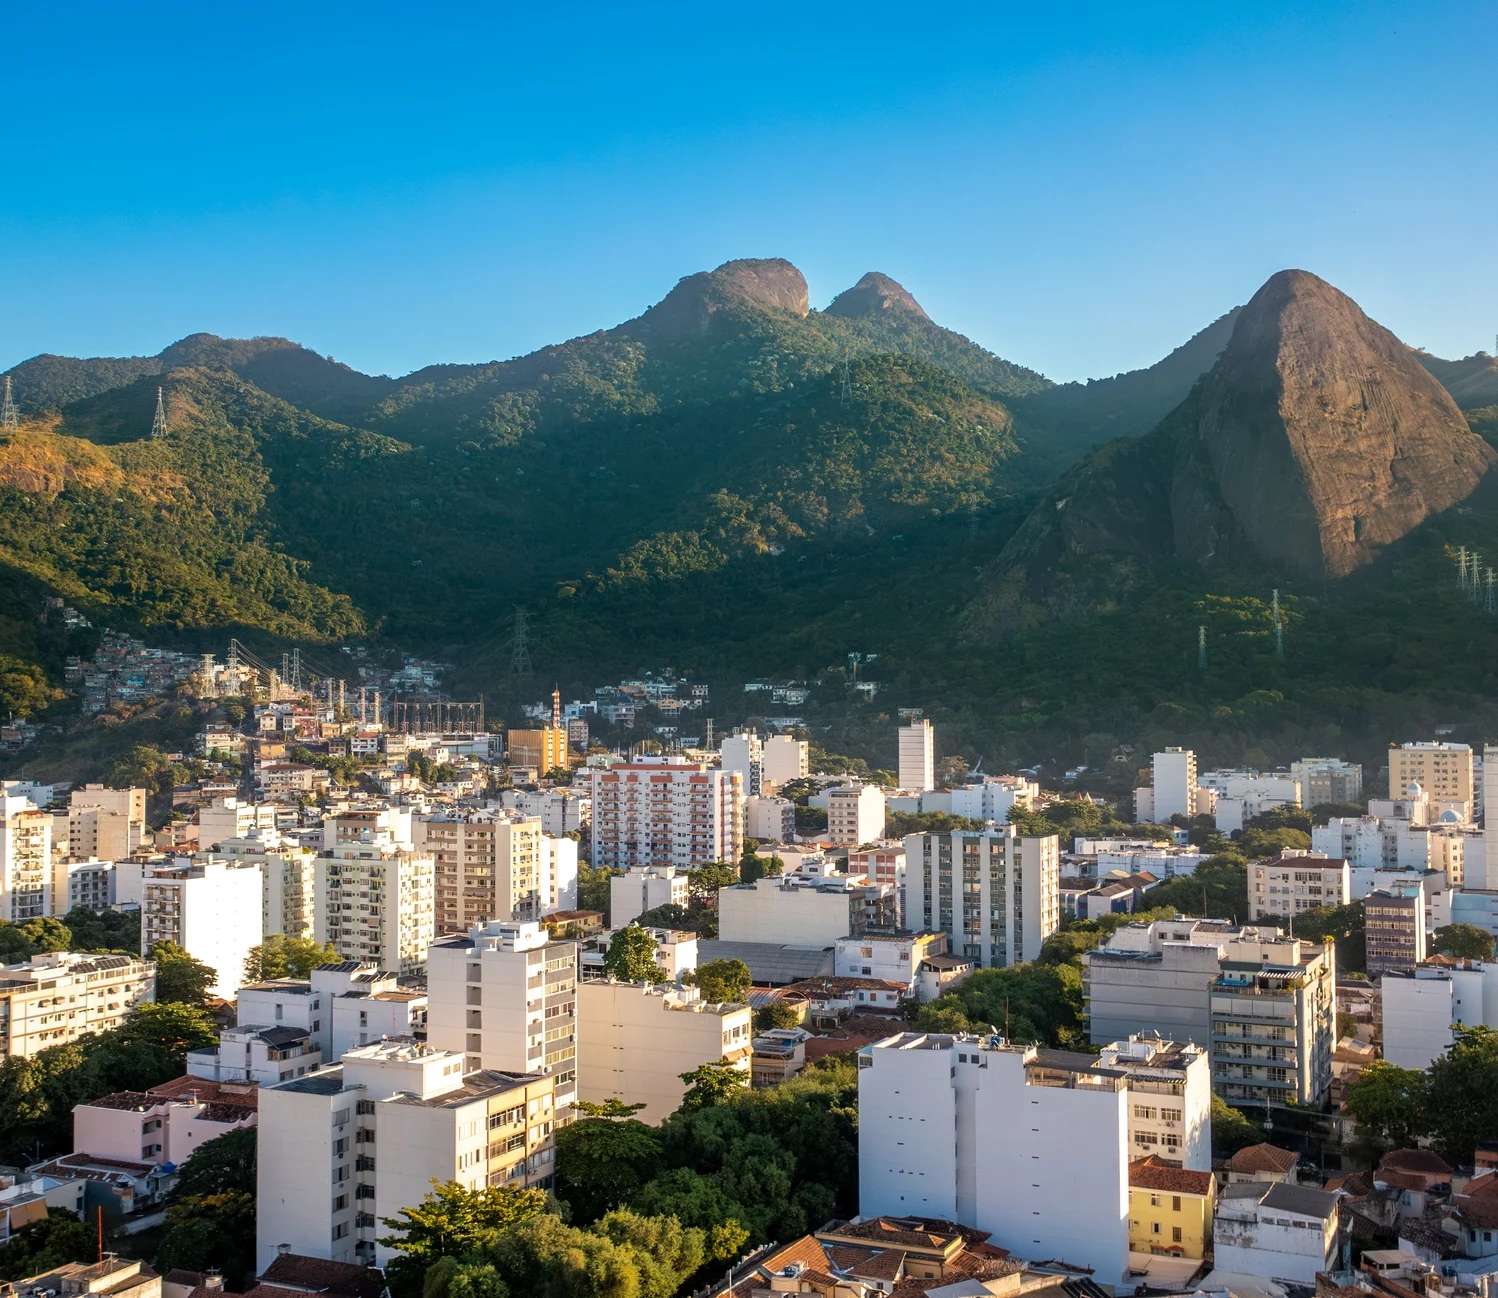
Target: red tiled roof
[
  {"x": 319, "y": 1275},
  {"x": 1263, "y": 1158},
  {"x": 1153, "y": 1174},
  {"x": 1415, "y": 1160}
]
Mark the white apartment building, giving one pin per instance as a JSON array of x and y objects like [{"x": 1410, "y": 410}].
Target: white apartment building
[
  {"x": 228, "y": 818},
  {"x": 642, "y": 888},
  {"x": 211, "y": 909},
  {"x": 58, "y": 996},
  {"x": 855, "y": 814},
  {"x": 917, "y": 756},
  {"x": 1328, "y": 779},
  {"x": 495, "y": 865},
  {"x": 1242, "y": 794},
  {"x": 348, "y": 1145},
  {"x": 785, "y": 759},
  {"x": 890, "y": 957},
  {"x": 803, "y": 909},
  {"x": 743, "y": 752},
  {"x": 87, "y": 885},
  {"x": 560, "y": 811},
  {"x": 105, "y": 823},
  {"x": 662, "y": 812},
  {"x": 1294, "y": 882},
  {"x": 344, "y": 1005},
  {"x": 138, "y": 1127},
  {"x": 1487, "y": 875},
  {"x": 1264, "y": 1005},
  {"x": 640, "y": 1038},
  {"x": 1170, "y": 1099},
  {"x": 374, "y": 895},
  {"x": 994, "y": 797},
  {"x": 995, "y": 894},
  {"x": 770, "y": 819},
  {"x": 288, "y": 874},
  {"x": 1443, "y": 770},
  {"x": 504, "y": 996},
  {"x": 255, "y": 1055},
  {"x": 1281, "y": 1232},
  {"x": 26, "y": 877},
  {"x": 1173, "y": 789},
  {"x": 1027, "y": 1144},
  {"x": 1420, "y": 1008}
]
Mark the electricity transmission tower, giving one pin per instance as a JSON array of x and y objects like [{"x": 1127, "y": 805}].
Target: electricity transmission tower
[
  {"x": 158, "y": 425},
  {"x": 10, "y": 419},
  {"x": 520, "y": 649},
  {"x": 1201, "y": 646},
  {"x": 1279, "y": 628}
]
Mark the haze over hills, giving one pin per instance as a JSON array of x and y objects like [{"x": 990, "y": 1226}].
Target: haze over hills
[{"x": 731, "y": 479}]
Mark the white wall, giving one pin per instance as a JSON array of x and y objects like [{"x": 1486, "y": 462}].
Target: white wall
[{"x": 295, "y": 1165}]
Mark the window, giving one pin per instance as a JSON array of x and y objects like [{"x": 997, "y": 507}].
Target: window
[
  {"x": 340, "y": 1203},
  {"x": 1175, "y": 1203},
  {"x": 340, "y": 1116},
  {"x": 1175, "y": 1234},
  {"x": 340, "y": 1231},
  {"x": 1155, "y": 1203},
  {"x": 1154, "y": 1228}
]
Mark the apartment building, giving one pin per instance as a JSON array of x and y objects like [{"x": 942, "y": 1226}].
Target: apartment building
[
  {"x": 770, "y": 819},
  {"x": 86, "y": 885},
  {"x": 141, "y": 1127},
  {"x": 917, "y": 756},
  {"x": 1240, "y": 795},
  {"x": 1443, "y": 770},
  {"x": 1262, "y": 1004},
  {"x": 996, "y": 893},
  {"x": 1394, "y": 922},
  {"x": 105, "y": 823},
  {"x": 994, "y": 797},
  {"x": 256, "y": 1055},
  {"x": 560, "y": 811},
  {"x": 1029, "y": 1145},
  {"x": 212, "y": 909},
  {"x": 1327, "y": 779},
  {"x": 1420, "y": 1007},
  {"x": 348, "y": 1145},
  {"x": 231, "y": 818},
  {"x": 1170, "y": 1099},
  {"x": 504, "y": 995},
  {"x": 288, "y": 875},
  {"x": 1173, "y": 789},
  {"x": 541, "y": 750},
  {"x": 374, "y": 892},
  {"x": 341, "y": 1006},
  {"x": 1285, "y": 1233},
  {"x": 642, "y": 888},
  {"x": 1170, "y": 1209},
  {"x": 58, "y": 996},
  {"x": 660, "y": 812},
  {"x": 639, "y": 1038},
  {"x": 892, "y": 957},
  {"x": 855, "y": 814},
  {"x": 26, "y": 877},
  {"x": 1294, "y": 882},
  {"x": 743, "y": 752},
  {"x": 785, "y": 759},
  {"x": 492, "y": 865},
  {"x": 804, "y": 909}
]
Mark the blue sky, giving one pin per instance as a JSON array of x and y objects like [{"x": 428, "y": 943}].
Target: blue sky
[{"x": 1078, "y": 190}]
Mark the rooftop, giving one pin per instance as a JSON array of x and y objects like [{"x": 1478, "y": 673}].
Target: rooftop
[
  {"x": 1263, "y": 1158},
  {"x": 1153, "y": 1174}
]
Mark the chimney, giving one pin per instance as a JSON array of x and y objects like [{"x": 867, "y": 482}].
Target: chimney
[
  {"x": 282, "y": 1250},
  {"x": 213, "y": 1280}
]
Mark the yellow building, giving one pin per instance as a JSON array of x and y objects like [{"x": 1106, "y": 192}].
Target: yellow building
[
  {"x": 544, "y": 749},
  {"x": 1443, "y": 770},
  {"x": 1170, "y": 1209}
]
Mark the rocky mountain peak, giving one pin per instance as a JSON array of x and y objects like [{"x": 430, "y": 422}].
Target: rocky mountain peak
[
  {"x": 767, "y": 283},
  {"x": 873, "y": 294}
]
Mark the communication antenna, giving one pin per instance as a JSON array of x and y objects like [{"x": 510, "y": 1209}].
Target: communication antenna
[
  {"x": 10, "y": 418},
  {"x": 520, "y": 649},
  {"x": 1201, "y": 646},
  {"x": 158, "y": 425},
  {"x": 1279, "y": 628}
]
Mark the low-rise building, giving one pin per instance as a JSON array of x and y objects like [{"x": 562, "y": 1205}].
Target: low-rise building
[
  {"x": 58, "y": 996},
  {"x": 641, "y": 1038},
  {"x": 813, "y": 909},
  {"x": 778, "y": 1055},
  {"x": 256, "y": 1055},
  {"x": 1170, "y": 1099},
  {"x": 642, "y": 888},
  {"x": 994, "y": 797},
  {"x": 893, "y": 957},
  {"x": 347, "y": 1145},
  {"x": 157, "y": 1129},
  {"x": 770, "y": 819},
  {"x": 1170, "y": 1209},
  {"x": 1294, "y": 882},
  {"x": 1422, "y": 1005},
  {"x": 1394, "y": 928},
  {"x": 342, "y": 1005},
  {"x": 1286, "y": 1233},
  {"x": 1265, "y": 1164}
]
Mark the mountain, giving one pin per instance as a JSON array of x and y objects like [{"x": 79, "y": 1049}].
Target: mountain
[
  {"x": 1472, "y": 381},
  {"x": 1315, "y": 440}
]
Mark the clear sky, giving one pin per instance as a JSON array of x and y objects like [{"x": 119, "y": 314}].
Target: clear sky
[{"x": 1078, "y": 187}]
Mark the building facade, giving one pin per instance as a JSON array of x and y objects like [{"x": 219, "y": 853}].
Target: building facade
[
  {"x": 1292, "y": 883},
  {"x": 917, "y": 756},
  {"x": 681, "y": 814},
  {"x": 803, "y": 910},
  {"x": 1421, "y": 1006},
  {"x": 1394, "y": 924},
  {"x": 374, "y": 893},
  {"x": 1443, "y": 770},
  {"x": 996, "y": 893},
  {"x": 786, "y": 759},
  {"x": 58, "y": 996},
  {"x": 541, "y": 750},
  {"x": 26, "y": 875},
  {"x": 489, "y": 865},
  {"x": 855, "y": 814},
  {"x": 211, "y": 909}
]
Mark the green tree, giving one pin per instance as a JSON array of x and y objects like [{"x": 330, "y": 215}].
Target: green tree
[
  {"x": 703, "y": 882},
  {"x": 722, "y": 981},
  {"x": 1217, "y": 890},
  {"x": 1389, "y": 1104},
  {"x": 1461, "y": 1098},
  {"x": 144, "y": 766},
  {"x": 23, "y": 686},
  {"x": 280, "y": 956},
  {"x": 1040, "y": 1003},
  {"x": 450, "y": 1222},
  {"x": 713, "y": 1083},
  {"x": 180, "y": 977},
  {"x": 1344, "y": 926},
  {"x": 104, "y": 930},
  {"x": 225, "y": 1164},
  {"x": 603, "y": 1163},
  {"x": 753, "y": 868},
  {"x": 1464, "y": 942},
  {"x": 40, "y": 1246},
  {"x": 47, "y": 934},
  {"x": 593, "y": 888},
  {"x": 1255, "y": 844},
  {"x": 777, "y": 1014},
  {"x": 897, "y": 824},
  {"x": 631, "y": 957},
  {"x": 214, "y": 1231},
  {"x": 1231, "y": 1130}
]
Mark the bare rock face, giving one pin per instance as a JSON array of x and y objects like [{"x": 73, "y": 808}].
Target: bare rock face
[
  {"x": 873, "y": 295},
  {"x": 1316, "y": 439},
  {"x": 769, "y": 283}
]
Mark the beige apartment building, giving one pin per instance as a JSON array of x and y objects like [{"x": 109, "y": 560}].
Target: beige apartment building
[
  {"x": 57, "y": 997},
  {"x": 1442, "y": 770},
  {"x": 489, "y": 865},
  {"x": 105, "y": 824},
  {"x": 373, "y": 901},
  {"x": 639, "y": 1039},
  {"x": 543, "y": 750},
  {"x": 26, "y": 876},
  {"x": 1289, "y": 884}
]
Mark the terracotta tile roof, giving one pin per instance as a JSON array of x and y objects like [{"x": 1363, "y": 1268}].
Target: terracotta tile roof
[
  {"x": 1482, "y": 1187},
  {"x": 1153, "y": 1174},
  {"x": 1481, "y": 1212},
  {"x": 1263, "y": 1158},
  {"x": 898, "y": 1230},
  {"x": 1415, "y": 1160},
  {"x": 319, "y": 1275},
  {"x": 178, "y": 1276},
  {"x": 207, "y": 1092},
  {"x": 1356, "y": 1184},
  {"x": 872, "y": 1263}
]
